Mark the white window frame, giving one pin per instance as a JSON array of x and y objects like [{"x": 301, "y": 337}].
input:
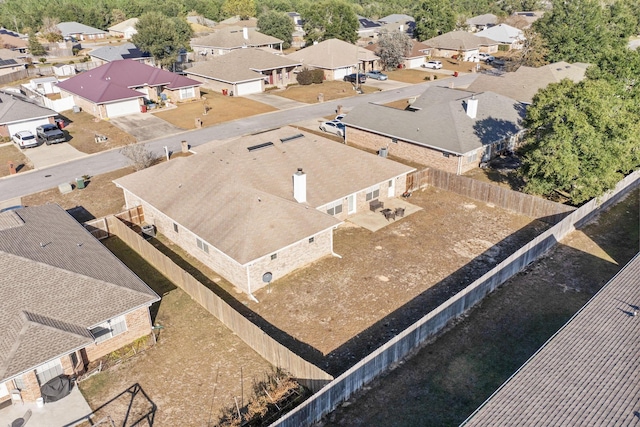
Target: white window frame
[
  {"x": 472, "y": 157},
  {"x": 372, "y": 193},
  {"x": 202, "y": 245},
  {"x": 334, "y": 208},
  {"x": 48, "y": 371},
  {"x": 187, "y": 92},
  {"x": 109, "y": 329}
]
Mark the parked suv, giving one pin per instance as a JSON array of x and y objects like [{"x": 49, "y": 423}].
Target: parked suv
[
  {"x": 486, "y": 57},
  {"x": 49, "y": 134},
  {"x": 352, "y": 78},
  {"x": 25, "y": 139},
  {"x": 435, "y": 65}
]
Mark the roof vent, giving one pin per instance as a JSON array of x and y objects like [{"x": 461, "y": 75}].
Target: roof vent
[
  {"x": 291, "y": 138},
  {"x": 260, "y": 146}
]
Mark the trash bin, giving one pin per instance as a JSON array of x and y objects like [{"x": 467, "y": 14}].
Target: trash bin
[
  {"x": 143, "y": 108},
  {"x": 455, "y": 74},
  {"x": 80, "y": 183},
  {"x": 39, "y": 402},
  {"x": 148, "y": 231},
  {"x": 225, "y": 92},
  {"x": 231, "y": 93},
  {"x": 60, "y": 123}
]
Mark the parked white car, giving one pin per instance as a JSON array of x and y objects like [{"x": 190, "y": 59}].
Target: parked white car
[
  {"x": 335, "y": 127},
  {"x": 25, "y": 139},
  {"x": 485, "y": 57},
  {"x": 435, "y": 65}
]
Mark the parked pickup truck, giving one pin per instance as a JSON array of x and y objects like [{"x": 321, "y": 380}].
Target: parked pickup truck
[{"x": 49, "y": 134}]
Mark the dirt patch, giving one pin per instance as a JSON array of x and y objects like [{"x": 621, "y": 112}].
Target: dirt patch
[
  {"x": 11, "y": 153},
  {"x": 449, "y": 378},
  {"x": 219, "y": 109},
  {"x": 82, "y": 129},
  {"x": 330, "y": 90}
]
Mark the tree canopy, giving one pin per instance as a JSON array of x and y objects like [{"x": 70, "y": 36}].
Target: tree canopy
[
  {"x": 277, "y": 24},
  {"x": 393, "y": 47},
  {"x": 330, "y": 19},
  {"x": 35, "y": 47},
  {"x": 433, "y": 18},
  {"x": 245, "y": 9},
  {"x": 162, "y": 37}
]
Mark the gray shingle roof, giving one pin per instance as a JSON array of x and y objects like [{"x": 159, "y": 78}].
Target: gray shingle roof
[
  {"x": 15, "y": 108},
  {"x": 441, "y": 121},
  {"x": 233, "y": 38},
  {"x": 459, "y": 40},
  {"x": 56, "y": 282},
  {"x": 71, "y": 28},
  {"x": 115, "y": 53},
  {"x": 587, "y": 374},
  {"x": 242, "y": 203}
]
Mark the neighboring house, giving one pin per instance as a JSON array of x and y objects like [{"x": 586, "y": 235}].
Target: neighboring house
[
  {"x": 398, "y": 22},
  {"x": 586, "y": 374},
  {"x": 64, "y": 70},
  {"x": 80, "y": 31},
  {"x": 65, "y": 299},
  {"x": 525, "y": 82},
  {"x": 460, "y": 43},
  {"x": 235, "y": 21},
  {"x": 105, "y": 54},
  {"x": 244, "y": 71},
  {"x": 18, "y": 113},
  {"x": 504, "y": 34},
  {"x": 336, "y": 58},
  {"x": 11, "y": 61},
  {"x": 8, "y": 41},
  {"x": 368, "y": 28},
  {"x": 200, "y": 20},
  {"x": 481, "y": 22},
  {"x": 263, "y": 203},
  {"x": 125, "y": 29},
  {"x": 444, "y": 128},
  {"x": 227, "y": 39},
  {"x": 298, "y": 32},
  {"x": 119, "y": 88},
  {"x": 416, "y": 57},
  {"x": 523, "y": 20}
]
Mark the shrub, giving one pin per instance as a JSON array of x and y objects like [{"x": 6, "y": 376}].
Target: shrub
[
  {"x": 305, "y": 77},
  {"x": 43, "y": 60},
  {"x": 318, "y": 76}
]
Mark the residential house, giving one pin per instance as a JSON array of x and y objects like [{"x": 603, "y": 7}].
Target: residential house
[
  {"x": 8, "y": 41},
  {"x": 78, "y": 31},
  {"x": 120, "y": 88},
  {"x": 236, "y": 21},
  {"x": 481, "y": 22},
  {"x": 11, "y": 61},
  {"x": 416, "y": 57},
  {"x": 368, "y": 28},
  {"x": 18, "y": 113},
  {"x": 298, "y": 34},
  {"x": 200, "y": 20},
  {"x": 525, "y": 82},
  {"x": 506, "y": 35},
  {"x": 398, "y": 22},
  {"x": 256, "y": 208},
  {"x": 336, "y": 58},
  {"x": 226, "y": 39},
  {"x": 244, "y": 71},
  {"x": 125, "y": 29},
  {"x": 444, "y": 128},
  {"x": 586, "y": 374},
  {"x": 456, "y": 43},
  {"x": 523, "y": 20},
  {"x": 110, "y": 53},
  {"x": 65, "y": 299}
]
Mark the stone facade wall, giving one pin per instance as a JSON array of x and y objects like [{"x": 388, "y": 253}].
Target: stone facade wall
[{"x": 138, "y": 325}]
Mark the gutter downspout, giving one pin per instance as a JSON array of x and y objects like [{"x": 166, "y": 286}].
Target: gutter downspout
[
  {"x": 459, "y": 165},
  {"x": 254, "y": 299},
  {"x": 333, "y": 253}
]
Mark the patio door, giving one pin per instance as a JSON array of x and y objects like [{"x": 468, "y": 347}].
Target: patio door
[
  {"x": 392, "y": 189},
  {"x": 352, "y": 204}
]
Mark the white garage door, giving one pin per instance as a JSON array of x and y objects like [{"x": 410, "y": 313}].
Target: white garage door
[
  {"x": 249, "y": 88},
  {"x": 30, "y": 126},
  {"x": 340, "y": 73},
  {"x": 123, "y": 108}
]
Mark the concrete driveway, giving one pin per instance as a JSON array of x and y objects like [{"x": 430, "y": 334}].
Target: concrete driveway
[
  {"x": 49, "y": 155},
  {"x": 145, "y": 126}
]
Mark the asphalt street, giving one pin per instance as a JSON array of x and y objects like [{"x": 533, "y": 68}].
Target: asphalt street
[{"x": 41, "y": 179}]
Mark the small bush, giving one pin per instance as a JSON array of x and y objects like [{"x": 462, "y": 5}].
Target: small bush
[
  {"x": 318, "y": 76},
  {"x": 305, "y": 77},
  {"x": 43, "y": 60}
]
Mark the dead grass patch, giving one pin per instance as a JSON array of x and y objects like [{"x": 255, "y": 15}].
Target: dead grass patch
[
  {"x": 410, "y": 75},
  {"x": 11, "y": 153},
  {"x": 329, "y": 89},
  {"x": 220, "y": 109},
  {"x": 82, "y": 129}
]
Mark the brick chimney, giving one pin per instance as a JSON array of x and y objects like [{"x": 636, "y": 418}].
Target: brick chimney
[{"x": 300, "y": 186}]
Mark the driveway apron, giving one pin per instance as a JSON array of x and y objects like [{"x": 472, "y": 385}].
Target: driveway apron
[{"x": 145, "y": 126}]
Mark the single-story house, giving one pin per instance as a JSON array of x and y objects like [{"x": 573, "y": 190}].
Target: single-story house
[
  {"x": 256, "y": 208},
  {"x": 8, "y": 41},
  {"x": 460, "y": 43},
  {"x": 523, "y": 20},
  {"x": 525, "y": 82},
  {"x": 368, "y": 28},
  {"x": 505, "y": 35},
  {"x": 398, "y": 22},
  {"x": 586, "y": 374},
  {"x": 336, "y": 58},
  {"x": 125, "y": 29},
  {"x": 244, "y": 71},
  {"x": 226, "y": 39},
  {"x": 119, "y": 88},
  {"x": 11, "y": 61},
  {"x": 481, "y": 22},
  {"x": 80, "y": 31},
  {"x": 416, "y": 57},
  {"x": 18, "y": 113},
  {"x": 444, "y": 128},
  {"x": 65, "y": 300},
  {"x": 111, "y": 53},
  {"x": 298, "y": 32}
]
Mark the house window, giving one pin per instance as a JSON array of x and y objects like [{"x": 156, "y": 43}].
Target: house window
[
  {"x": 445, "y": 154},
  {"x": 394, "y": 140},
  {"x": 187, "y": 92},
  {"x": 48, "y": 371},
  {"x": 19, "y": 382},
  {"x": 202, "y": 246},
  {"x": 312, "y": 239},
  {"x": 274, "y": 256},
  {"x": 373, "y": 193},
  {"x": 334, "y": 208},
  {"x": 175, "y": 227},
  {"x": 109, "y": 329},
  {"x": 472, "y": 157}
]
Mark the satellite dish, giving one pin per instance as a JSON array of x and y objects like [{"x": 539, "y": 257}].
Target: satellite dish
[{"x": 267, "y": 277}]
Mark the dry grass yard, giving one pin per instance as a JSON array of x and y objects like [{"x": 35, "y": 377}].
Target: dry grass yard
[
  {"x": 329, "y": 89},
  {"x": 82, "y": 129},
  {"x": 11, "y": 153}
]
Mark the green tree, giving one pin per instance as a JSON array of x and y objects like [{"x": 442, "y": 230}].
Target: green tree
[
  {"x": 162, "y": 37},
  {"x": 277, "y": 24},
  {"x": 582, "y": 139},
  {"x": 534, "y": 51},
  {"x": 393, "y": 47},
  {"x": 35, "y": 47},
  {"x": 330, "y": 19},
  {"x": 245, "y": 9},
  {"x": 433, "y": 18}
]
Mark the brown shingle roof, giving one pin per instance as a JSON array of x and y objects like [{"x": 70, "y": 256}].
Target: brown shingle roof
[
  {"x": 459, "y": 40},
  {"x": 587, "y": 374},
  {"x": 233, "y": 38},
  {"x": 332, "y": 54},
  {"x": 56, "y": 282}
]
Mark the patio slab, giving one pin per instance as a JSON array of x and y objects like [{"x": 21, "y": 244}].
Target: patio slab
[
  {"x": 66, "y": 412},
  {"x": 374, "y": 221}
]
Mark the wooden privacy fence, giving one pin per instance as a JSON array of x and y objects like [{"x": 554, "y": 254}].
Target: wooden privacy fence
[
  {"x": 278, "y": 355},
  {"x": 99, "y": 228},
  {"x": 525, "y": 204},
  {"x": 340, "y": 389},
  {"x": 12, "y": 77}
]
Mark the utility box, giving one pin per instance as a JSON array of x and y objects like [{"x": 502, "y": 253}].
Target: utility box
[{"x": 80, "y": 183}]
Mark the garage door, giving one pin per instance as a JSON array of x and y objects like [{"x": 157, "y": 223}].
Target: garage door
[
  {"x": 123, "y": 108},
  {"x": 340, "y": 73},
  {"x": 30, "y": 126},
  {"x": 249, "y": 88}
]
